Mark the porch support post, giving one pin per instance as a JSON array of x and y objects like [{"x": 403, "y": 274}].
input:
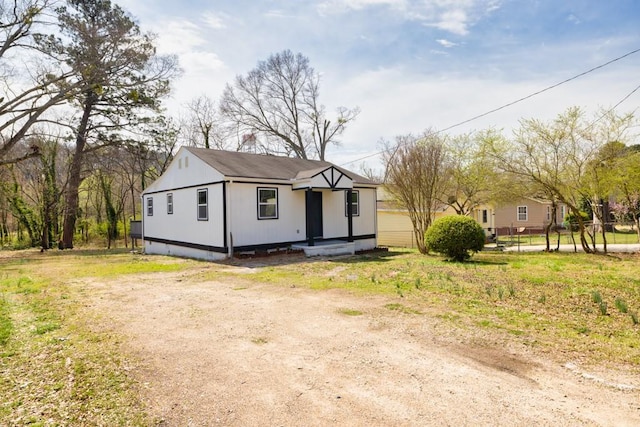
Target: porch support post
[
  {"x": 309, "y": 206},
  {"x": 350, "y": 215}
]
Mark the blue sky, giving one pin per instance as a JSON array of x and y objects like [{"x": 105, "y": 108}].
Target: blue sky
[{"x": 410, "y": 65}]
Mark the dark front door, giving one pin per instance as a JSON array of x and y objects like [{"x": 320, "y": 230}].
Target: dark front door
[{"x": 314, "y": 214}]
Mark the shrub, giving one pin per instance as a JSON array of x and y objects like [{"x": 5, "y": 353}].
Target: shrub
[
  {"x": 455, "y": 236},
  {"x": 571, "y": 220}
]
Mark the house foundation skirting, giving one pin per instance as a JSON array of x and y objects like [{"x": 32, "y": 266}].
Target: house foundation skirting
[
  {"x": 334, "y": 246},
  {"x": 327, "y": 248}
]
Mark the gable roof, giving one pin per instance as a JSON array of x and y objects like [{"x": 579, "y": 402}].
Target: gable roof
[{"x": 260, "y": 166}]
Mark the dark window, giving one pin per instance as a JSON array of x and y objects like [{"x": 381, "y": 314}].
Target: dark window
[
  {"x": 203, "y": 205},
  {"x": 355, "y": 203},
  {"x": 170, "y": 203},
  {"x": 267, "y": 203},
  {"x": 149, "y": 206},
  {"x": 523, "y": 215},
  {"x": 485, "y": 216}
]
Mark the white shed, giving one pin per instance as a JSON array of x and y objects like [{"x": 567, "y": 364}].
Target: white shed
[{"x": 210, "y": 204}]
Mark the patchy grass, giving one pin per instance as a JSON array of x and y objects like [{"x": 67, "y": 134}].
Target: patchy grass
[
  {"x": 350, "y": 312},
  {"x": 57, "y": 369},
  {"x": 6, "y": 324},
  {"x": 259, "y": 340},
  {"x": 549, "y": 301},
  {"x": 401, "y": 308}
]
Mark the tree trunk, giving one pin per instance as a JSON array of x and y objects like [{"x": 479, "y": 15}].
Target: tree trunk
[
  {"x": 583, "y": 240},
  {"x": 550, "y": 225},
  {"x": 75, "y": 174}
]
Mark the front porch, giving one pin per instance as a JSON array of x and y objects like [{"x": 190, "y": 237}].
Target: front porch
[{"x": 327, "y": 248}]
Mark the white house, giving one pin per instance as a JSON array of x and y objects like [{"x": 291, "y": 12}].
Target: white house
[{"x": 211, "y": 204}]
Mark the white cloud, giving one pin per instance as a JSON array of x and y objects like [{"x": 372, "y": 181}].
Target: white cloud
[
  {"x": 446, "y": 43},
  {"x": 573, "y": 19},
  {"x": 215, "y": 20},
  {"x": 341, "y": 6},
  {"x": 453, "y": 16},
  {"x": 397, "y": 101},
  {"x": 454, "y": 21},
  {"x": 361, "y": 4},
  {"x": 201, "y": 61},
  {"x": 178, "y": 36},
  {"x": 277, "y": 13}
]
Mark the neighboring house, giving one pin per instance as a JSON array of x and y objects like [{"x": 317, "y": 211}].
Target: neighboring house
[
  {"x": 211, "y": 204},
  {"x": 395, "y": 227},
  {"x": 528, "y": 215}
]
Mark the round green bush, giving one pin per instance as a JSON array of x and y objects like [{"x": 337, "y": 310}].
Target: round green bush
[{"x": 455, "y": 236}]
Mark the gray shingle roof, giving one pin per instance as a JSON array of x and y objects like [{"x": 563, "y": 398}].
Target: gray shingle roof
[{"x": 247, "y": 165}]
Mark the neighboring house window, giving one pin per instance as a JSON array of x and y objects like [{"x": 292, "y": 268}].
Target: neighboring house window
[
  {"x": 548, "y": 213},
  {"x": 149, "y": 206},
  {"x": 485, "y": 216},
  {"x": 170, "y": 203},
  {"x": 355, "y": 203},
  {"x": 203, "y": 205},
  {"x": 267, "y": 203},
  {"x": 563, "y": 212},
  {"x": 522, "y": 213}
]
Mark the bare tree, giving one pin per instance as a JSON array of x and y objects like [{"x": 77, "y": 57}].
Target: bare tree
[
  {"x": 121, "y": 77},
  {"x": 417, "y": 175},
  {"x": 29, "y": 87},
  {"x": 278, "y": 101},
  {"x": 203, "y": 125}
]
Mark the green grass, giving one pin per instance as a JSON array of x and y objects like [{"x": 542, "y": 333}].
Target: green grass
[
  {"x": 350, "y": 312},
  {"x": 544, "y": 300},
  {"x": 6, "y": 324},
  {"x": 401, "y": 308},
  {"x": 57, "y": 367}
]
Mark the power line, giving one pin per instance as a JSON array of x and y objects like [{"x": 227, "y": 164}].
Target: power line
[
  {"x": 522, "y": 99},
  {"x": 614, "y": 107}
]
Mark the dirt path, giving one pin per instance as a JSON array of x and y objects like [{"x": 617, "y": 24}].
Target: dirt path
[{"x": 214, "y": 353}]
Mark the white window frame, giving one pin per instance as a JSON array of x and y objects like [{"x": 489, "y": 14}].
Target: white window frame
[
  {"x": 273, "y": 203},
  {"x": 169, "y": 203},
  {"x": 519, "y": 213},
  {"x": 149, "y": 206},
  {"x": 204, "y": 205},
  {"x": 355, "y": 205}
]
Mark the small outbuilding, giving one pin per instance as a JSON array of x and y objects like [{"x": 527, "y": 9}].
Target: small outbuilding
[{"x": 212, "y": 204}]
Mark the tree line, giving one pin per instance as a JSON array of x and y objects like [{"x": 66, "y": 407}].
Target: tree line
[
  {"x": 82, "y": 124},
  {"x": 591, "y": 165},
  {"x": 83, "y": 131}
]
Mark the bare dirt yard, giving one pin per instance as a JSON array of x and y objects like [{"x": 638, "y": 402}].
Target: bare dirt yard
[{"x": 239, "y": 353}]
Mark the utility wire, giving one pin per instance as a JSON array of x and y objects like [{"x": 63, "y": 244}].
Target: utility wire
[
  {"x": 520, "y": 100},
  {"x": 614, "y": 107}
]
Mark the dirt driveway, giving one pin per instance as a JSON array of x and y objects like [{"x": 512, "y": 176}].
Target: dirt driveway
[{"x": 236, "y": 353}]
